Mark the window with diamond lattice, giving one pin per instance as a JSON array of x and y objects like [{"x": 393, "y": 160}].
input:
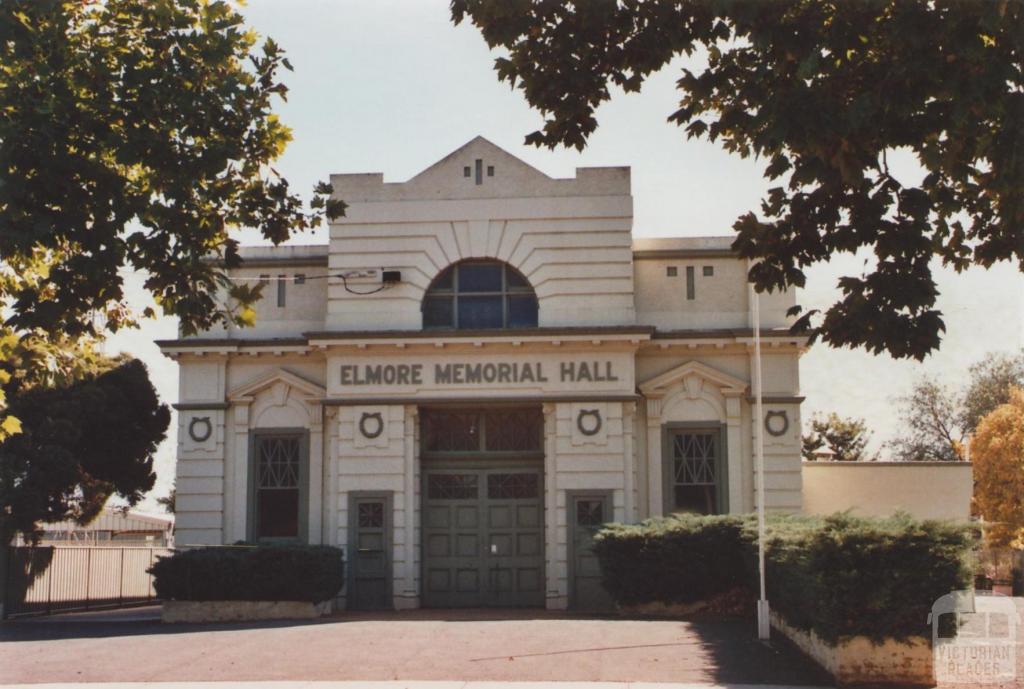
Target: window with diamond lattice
[
  {"x": 695, "y": 472},
  {"x": 518, "y": 430},
  {"x": 452, "y": 486},
  {"x": 513, "y": 486},
  {"x": 451, "y": 431},
  {"x": 500, "y": 430},
  {"x": 278, "y": 486}
]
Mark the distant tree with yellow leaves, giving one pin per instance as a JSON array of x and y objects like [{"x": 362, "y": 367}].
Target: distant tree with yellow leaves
[{"x": 997, "y": 451}]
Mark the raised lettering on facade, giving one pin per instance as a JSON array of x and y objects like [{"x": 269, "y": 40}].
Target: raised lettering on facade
[{"x": 463, "y": 373}]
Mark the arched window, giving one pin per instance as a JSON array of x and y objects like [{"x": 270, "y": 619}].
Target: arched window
[{"x": 480, "y": 294}]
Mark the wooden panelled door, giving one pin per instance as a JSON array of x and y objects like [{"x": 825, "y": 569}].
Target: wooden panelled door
[
  {"x": 587, "y": 513},
  {"x": 369, "y": 553},
  {"x": 483, "y": 537}
]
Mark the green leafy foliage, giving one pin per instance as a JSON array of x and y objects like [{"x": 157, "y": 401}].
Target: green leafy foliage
[
  {"x": 989, "y": 386},
  {"x": 847, "y": 438},
  {"x": 257, "y": 573},
  {"x": 678, "y": 559},
  {"x": 169, "y": 501},
  {"x": 135, "y": 134},
  {"x": 871, "y": 577},
  {"x": 839, "y": 576},
  {"x": 931, "y": 424},
  {"x": 937, "y": 417},
  {"x": 36, "y": 357},
  {"x": 822, "y": 93},
  {"x": 80, "y": 443}
]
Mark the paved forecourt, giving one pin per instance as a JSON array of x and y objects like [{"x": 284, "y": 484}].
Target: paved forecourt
[{"x": 469, "y": 646}]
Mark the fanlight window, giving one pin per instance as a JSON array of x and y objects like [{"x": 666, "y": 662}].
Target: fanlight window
[{"x": 479, "y": 295}]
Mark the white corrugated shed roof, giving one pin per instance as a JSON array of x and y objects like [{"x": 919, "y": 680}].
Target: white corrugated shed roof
[{"x": 116, "y": 520}]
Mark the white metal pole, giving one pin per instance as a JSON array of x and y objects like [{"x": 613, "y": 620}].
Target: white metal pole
[{"x": 763, "y": 625}]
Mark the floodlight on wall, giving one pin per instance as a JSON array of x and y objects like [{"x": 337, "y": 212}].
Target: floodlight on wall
[{"x": 391, "y": 277}]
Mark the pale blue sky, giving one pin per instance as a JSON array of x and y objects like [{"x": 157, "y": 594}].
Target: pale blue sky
[{"x": 391, "y": 86}]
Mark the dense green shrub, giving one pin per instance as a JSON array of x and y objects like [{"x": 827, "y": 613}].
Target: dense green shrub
[
  {"x": 678, "y": 559},
  {"x": 838, "y": 576},
  {"x": 297, "y": 573}
]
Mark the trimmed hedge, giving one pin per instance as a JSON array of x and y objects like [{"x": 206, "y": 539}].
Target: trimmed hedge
[
  {"x": 839, "y": 576},
  {"x": 677, "y": 559},
  {"x": 253, "y": 573}
]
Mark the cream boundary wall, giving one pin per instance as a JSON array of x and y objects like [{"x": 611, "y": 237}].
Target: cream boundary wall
[
  {"x": 604, "y": 299},
  {"x": 927, "y": 490}
]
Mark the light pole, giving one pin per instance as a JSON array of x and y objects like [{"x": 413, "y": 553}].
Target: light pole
[{"x": 763, "y": 625}]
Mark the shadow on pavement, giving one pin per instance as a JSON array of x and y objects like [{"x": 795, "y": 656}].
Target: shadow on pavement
[
  {"x": 724, "y": 651},
  {"x": 126, "y": 622}
]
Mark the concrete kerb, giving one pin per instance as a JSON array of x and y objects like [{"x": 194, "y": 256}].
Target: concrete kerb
[{"x": 409, "y": 685}]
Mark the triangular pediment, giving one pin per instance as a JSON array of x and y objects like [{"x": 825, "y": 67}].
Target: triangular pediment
[
  {"x": 453, "y": 165},
  {"x": 659, "y": 385},
  {"x": 285, "y": 381},
  {"x": 480, "y": 169}
]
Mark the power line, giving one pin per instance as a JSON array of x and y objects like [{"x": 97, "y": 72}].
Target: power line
[{"x": 291, "y": 278}]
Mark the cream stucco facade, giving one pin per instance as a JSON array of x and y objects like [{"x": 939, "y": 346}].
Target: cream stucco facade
[{"x": 640, "y": 348}]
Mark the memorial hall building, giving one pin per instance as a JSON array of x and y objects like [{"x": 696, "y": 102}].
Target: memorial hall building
[{"x": 479, "y": 368}]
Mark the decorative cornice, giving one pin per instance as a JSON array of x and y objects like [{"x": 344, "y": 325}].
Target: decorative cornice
[
  {"x": 210, "y": 342},
  {"x": 656, "y": 254},
  {"x": 197, "y": 406},
  {"x": 474, "y": 401},
  {"x": 320, "y": 258},
  {"x": 284, "y": 261},
  {"x": 723, "y": 333},
  {"x": 778, "y": 399},
  {"x": 640, "y": 331}
]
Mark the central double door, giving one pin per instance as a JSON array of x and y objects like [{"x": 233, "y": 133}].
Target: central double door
[{"x": 483, "y": 536}]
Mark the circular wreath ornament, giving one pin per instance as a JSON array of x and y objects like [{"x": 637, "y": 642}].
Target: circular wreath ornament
[
  {"x": 591, "y": 427},
  {"x": 371, "y": 425},
  {"x": 200, "y": 428},
  {"x": 776, "y": 423}
]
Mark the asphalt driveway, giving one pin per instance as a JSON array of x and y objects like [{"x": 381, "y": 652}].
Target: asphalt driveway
[{"x": 133, "y": 646}]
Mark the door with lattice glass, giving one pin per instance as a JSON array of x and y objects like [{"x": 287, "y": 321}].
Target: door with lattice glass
[
  {"x": 369, "y": 553},
  {"x": 483, "y": 509},
  {"x": 588, "y": 512}
]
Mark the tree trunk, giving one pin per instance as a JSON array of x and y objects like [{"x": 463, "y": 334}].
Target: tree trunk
[{"x": 6, "y": 535}]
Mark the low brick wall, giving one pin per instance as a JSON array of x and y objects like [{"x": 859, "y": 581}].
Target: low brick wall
[
  {"x": 240, "y": 610},
  {"x": 858, "y": 660}
]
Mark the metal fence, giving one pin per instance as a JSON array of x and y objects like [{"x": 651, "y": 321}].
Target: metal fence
[
  {"x": 1000, "y": 569},
  {"x": 46, "y": 579}
]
